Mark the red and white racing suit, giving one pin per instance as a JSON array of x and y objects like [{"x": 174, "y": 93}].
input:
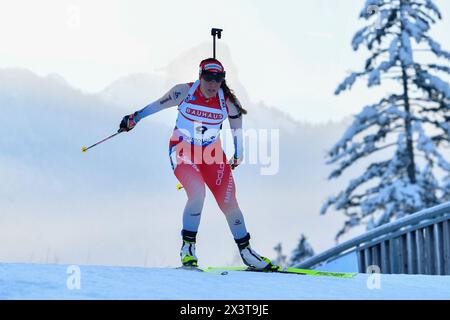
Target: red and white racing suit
[{"x": 196, "y": 153}]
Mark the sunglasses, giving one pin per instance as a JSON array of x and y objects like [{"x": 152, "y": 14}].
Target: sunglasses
[{"x": 216, "y": 76}]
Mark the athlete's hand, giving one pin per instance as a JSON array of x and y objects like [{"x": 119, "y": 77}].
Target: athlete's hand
[
  {"x": 234, "y": 162},
  {"x": 129, "y": 122}
]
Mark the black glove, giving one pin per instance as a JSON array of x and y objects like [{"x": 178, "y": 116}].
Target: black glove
[{"x": 129, "y": 122}]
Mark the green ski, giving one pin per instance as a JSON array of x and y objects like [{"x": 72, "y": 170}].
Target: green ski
[{"x": 288, "y": 270}]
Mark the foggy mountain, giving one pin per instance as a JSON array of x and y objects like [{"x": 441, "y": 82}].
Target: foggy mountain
[{"x": 117, "y": 203}]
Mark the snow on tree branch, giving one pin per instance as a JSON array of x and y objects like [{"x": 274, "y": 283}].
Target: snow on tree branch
[{"x": 396, "y": 128}]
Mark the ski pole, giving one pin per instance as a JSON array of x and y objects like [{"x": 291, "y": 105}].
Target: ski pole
[{"x": 84, "y": 149}]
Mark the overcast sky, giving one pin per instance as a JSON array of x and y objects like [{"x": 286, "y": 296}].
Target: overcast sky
[{"x": 290, "y": 54}]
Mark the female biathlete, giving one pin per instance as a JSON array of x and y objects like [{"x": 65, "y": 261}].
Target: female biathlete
[{"x": 197, "y": 157}]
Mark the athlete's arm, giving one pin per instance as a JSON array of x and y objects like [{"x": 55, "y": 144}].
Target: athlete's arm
[
  {"x": 235, "y": 119},
  {"x": 170, "y": 99}
]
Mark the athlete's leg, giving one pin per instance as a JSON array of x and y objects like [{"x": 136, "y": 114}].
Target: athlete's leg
[
  {"x": 218, "y": 177},
  {"x": 192, "y": 181}
]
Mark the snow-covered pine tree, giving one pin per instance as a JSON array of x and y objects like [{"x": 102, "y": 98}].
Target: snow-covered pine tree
[
  {"x": 301, "y": 252},
  {"x": 280, "y": 259},
  {"x": 411, "y": 125}
]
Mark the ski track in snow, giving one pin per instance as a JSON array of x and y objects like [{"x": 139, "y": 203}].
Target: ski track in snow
[{"x": 35, "y": 281}]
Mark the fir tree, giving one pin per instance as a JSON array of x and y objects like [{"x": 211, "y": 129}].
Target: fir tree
[
  {"x": 408, "y": 127},
  {"x": 280, "y": 260},
  {"x": 302, "y": 252}
]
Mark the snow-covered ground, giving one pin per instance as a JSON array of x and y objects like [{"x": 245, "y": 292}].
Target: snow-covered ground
[{"x": 35, "y": 281}]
